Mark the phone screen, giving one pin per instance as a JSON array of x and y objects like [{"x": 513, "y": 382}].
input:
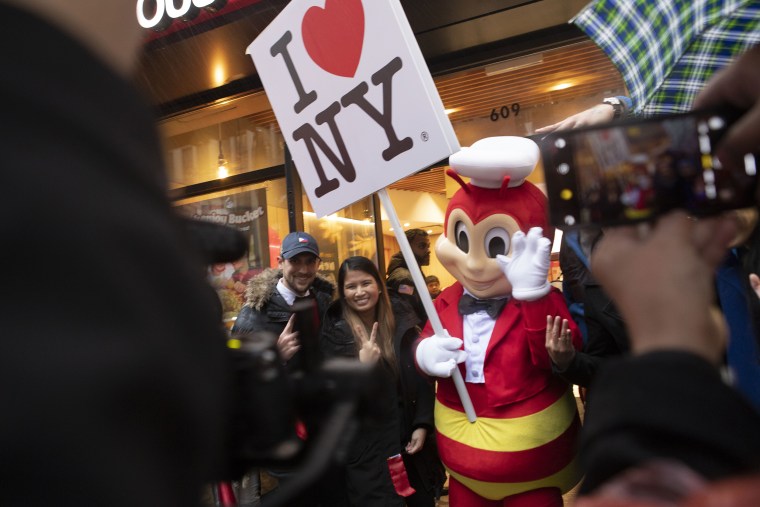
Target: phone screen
[{"x": 635, "y": 170}]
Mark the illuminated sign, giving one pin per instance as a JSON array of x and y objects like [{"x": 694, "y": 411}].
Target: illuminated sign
[{"x": 161, "y": 13}]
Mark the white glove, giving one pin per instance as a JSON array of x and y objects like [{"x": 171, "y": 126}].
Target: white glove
[
  {"x": 528, "y": 268},
  {"x": 439, "y": 355}
]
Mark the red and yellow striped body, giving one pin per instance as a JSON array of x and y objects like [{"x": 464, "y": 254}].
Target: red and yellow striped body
[{"x": 527, "y": 427}]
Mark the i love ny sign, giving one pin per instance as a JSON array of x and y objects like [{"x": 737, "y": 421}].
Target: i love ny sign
[{"x": 353, "y": 97}]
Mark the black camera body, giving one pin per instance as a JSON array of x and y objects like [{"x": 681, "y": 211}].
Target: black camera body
[
  {"x": 264, "y": 414},
  {"x": 270, "y": 400}
]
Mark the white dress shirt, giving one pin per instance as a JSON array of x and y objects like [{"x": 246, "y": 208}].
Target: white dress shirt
[
  {"x": 288, "y": 295},
  {"x": 478, "y": 328}
]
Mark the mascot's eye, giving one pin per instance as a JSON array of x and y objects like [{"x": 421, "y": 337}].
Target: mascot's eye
[
  {"x": 497, "y": 242},
  {"x": 462, "y": 236}
]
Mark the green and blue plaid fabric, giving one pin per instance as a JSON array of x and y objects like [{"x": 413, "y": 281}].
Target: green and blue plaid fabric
[{"x": 666, "y": 49}]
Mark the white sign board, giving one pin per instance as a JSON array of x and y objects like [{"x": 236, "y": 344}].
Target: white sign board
[{"x": 353, "y": 97}]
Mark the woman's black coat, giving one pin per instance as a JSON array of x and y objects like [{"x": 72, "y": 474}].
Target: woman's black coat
[{"x": 368, "y": 481}]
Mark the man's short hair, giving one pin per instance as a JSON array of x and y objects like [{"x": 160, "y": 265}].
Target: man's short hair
[
  {"x": 411, "y": 234},
  {"x": 431, "y": 279}
]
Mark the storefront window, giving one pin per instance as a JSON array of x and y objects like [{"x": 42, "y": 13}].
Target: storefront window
[
  {"x": 350, "y": 231},
  {"x": 222, "y": 140},
  {"x": 241, "y": 136},
  {"x": 258, "y": 211}
]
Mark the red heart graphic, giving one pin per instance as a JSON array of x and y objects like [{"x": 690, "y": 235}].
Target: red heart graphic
[{"x": 334, "y": 36}]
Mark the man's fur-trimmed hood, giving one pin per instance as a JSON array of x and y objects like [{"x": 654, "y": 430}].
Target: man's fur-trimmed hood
[{"x": 261, "y": 287}]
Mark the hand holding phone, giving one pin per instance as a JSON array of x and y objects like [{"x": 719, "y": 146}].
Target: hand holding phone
[{"x": 636, "y": 170}]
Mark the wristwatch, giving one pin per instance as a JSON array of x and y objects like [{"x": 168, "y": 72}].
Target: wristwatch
[{"x": 618, "y": 108}]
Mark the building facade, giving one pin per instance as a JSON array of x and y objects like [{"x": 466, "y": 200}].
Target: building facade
[{"x": 501, "y": 67}]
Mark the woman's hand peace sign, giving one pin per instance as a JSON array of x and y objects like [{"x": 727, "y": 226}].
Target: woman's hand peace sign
[{"x": 369, "y": 352}]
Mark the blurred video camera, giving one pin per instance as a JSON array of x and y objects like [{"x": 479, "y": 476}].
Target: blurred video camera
[{"x": 271, "y": 402}]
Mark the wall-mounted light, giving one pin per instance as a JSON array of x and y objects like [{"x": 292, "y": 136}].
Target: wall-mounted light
[
  {"x": 335, "y": 218},
  {"x": 221, "y": 171},
  {"x": 219, "y": 74},
  {"x": 561, "y": 86}
]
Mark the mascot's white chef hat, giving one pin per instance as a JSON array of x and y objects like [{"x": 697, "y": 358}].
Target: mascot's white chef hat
[{"x": 497, "y": 168}]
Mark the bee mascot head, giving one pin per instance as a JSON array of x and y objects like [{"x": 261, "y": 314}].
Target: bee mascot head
[{"x": 484, "y": 214}]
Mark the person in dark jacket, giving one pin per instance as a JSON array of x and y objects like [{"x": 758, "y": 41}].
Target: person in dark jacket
[
  {"x": 662, "y": 424},
  {"x": 120, "y": 383},
  {"x": 605, "y": 335},
  {"x": 574, "y": 253},
  {"x": 269, "y": 299},
  {"x": 270, "y": 295},
  {"x": 607, "y": 338},
  {"x": 361, "y": 324},
  {"x": 399, "y": 279}
]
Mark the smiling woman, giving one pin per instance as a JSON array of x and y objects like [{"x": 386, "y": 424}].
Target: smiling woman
[
  {"x": 399, "y": 410},
  {"x": 361, "y": 293},
  {"x": 359, "y": 325},
  {"x": 362, "y": 314}
]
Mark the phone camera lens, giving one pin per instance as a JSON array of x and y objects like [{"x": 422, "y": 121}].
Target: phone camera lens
[
  {"x": 560, "y": 143},
  {"x": 563, "y": 168},
  {"x": 716, "y": 122}
]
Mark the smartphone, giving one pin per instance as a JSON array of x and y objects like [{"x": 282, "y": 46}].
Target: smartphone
[
  {"x": 634, "y": 170},
  {"x": 307, "y": 324}
]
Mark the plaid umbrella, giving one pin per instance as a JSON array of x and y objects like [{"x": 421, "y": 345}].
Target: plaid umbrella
[{"x": 667, "y": 49}]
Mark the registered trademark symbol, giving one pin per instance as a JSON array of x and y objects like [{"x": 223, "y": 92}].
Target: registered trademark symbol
[{"x": 424, "y": 136}]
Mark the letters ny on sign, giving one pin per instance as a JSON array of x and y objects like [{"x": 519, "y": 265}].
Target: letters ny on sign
[{"x": 353, "y": 97}]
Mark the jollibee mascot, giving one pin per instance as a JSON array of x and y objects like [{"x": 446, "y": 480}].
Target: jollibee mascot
[{"x": 521, "y": 449}]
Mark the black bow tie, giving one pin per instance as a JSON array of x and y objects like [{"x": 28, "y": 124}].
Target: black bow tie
[{"x": 469, "y": 304}]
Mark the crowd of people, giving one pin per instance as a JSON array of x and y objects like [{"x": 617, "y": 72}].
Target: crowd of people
[
  {"x": 374, "y": 324},
  {"x": 635, "y": 448},
  {"x": 685, "y": 431},
  {"x": 126, "y": 404}
]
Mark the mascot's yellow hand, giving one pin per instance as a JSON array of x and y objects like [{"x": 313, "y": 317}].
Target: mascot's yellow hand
[{"x": 528, "y": 268}]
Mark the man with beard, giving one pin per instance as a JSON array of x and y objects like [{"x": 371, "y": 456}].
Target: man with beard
[
  {"x": 269, "y": 300},
  {"x": 270, "y": 296}
]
